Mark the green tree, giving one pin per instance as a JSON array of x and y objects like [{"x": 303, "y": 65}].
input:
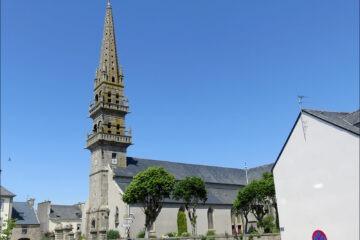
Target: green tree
[
  {"x": 113, "y": 234},
  {"x": 268, "y": 179},
  {"x": 6, "y": 233},
  {"x": 192, "y": 192},
  {"x": 242, "y": 204},
  {"x": 149, "y": 188},
  {"x": 260, "y": 200},
  {"x": 181, "y": 222}
]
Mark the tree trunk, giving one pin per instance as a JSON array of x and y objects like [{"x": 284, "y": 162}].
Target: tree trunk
[
  {"x": 246, "y": 224},
  {"x": 147, "y": 232},
  {"x": 148, "y": 225},
  {"x": 192, "y": 217},
  {"x": 277, "y": 216}
]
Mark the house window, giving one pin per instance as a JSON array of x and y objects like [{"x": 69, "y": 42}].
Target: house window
[
  {"x": 23, "y": 230},
  {"x": 117, "y": 217},
  {"x": 210, "y": 217}
]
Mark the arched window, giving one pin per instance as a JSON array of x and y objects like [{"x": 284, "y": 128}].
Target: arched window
[
  {"x": 210, "y": 217},
  {"x": 113, "y": 79},
  {"x": 96, "y": 98},
  {"x": 93, "y": 223},
  {"x": 109, "y": 94},
  {"x": 95, "y": 128},
  {"x": 117, "y": 217},
  {"x": 109, "y": 125}
]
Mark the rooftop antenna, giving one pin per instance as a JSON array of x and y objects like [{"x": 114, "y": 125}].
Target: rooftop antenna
[
  {"x": 303, "y": 124},
  {"x": 246, "y": 174}
]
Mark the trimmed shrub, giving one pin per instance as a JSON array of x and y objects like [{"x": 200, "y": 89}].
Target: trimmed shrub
[
  {"x": 185, "y": 234},
  {"x": 141, "y": 234},
  {"x": 113, "y": 234},
  {"x": 172, "y": 234},
  {"x": 252, "y": 230},
  {"x": 210, "y": 235},
  {"x": 181, "y": 222},
  {"x": 267, "y": 224}
]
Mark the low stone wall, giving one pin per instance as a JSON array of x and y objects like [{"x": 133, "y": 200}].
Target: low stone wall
[
  {"x": 264, "y": 237},
  {"x": 219, "y": 237}
]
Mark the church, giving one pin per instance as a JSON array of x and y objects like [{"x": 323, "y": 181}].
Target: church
[{"x": 112, "y": 170}]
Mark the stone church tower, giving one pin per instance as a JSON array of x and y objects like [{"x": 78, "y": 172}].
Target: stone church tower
[{"x": 109, "y": 139}]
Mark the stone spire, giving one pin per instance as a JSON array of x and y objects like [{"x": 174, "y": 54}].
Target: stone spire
[
  {"x": 109, "y": 69},
  {"x": 109, "y": 139}
]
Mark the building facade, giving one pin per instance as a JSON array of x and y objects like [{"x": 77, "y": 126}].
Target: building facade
[
  {"x": 6, "y": 201},
  {"x": 60, "y": 219},
  {"x": 317, "y": 177},
  {"x": 112, "y": 171},
  {"x": 27, "y": 224}
]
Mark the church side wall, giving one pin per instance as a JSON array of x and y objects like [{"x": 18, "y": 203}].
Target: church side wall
[{"x": 167, "y": 220}]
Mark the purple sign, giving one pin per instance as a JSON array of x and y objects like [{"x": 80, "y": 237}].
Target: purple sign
[{"x": 319, "y": 235}]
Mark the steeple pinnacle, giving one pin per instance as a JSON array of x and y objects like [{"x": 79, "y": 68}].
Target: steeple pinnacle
[{"x": 109, "y": 69}]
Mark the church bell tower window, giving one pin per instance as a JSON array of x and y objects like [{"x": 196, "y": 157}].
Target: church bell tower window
[{"x": 113, "y": 158}]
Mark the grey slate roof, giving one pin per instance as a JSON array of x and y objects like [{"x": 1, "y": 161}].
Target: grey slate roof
[
  {"x": 344, "y": 120},
  {"x": 65, "y": 212},
  {"x": 209, "y": 174},
  {"x": 24, "y": 214},
  {"x": 6, "y": 193},
  {"x": 222, "y": 183}
]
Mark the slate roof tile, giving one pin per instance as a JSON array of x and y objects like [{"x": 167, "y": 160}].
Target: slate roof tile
[{"x": 24, "y": 214}]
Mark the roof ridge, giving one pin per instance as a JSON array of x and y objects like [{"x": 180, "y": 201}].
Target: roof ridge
[
  {"x": 324, "y": 111},
  {"x": 193, "y": 164}
]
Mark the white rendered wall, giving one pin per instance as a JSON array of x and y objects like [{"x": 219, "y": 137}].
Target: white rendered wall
[
  {"x": 317, "y": 182},
  {"x": 6, "y": 207}
]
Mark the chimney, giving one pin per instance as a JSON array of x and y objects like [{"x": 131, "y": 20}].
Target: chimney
[{"x": 31, "y": 202}]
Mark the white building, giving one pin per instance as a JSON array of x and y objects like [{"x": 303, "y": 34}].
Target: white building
[
  {"x": 6, "y": 206},
  {"x": 317, "y": 177}
]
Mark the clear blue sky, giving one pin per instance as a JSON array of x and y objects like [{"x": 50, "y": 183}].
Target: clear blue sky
[{"x": 209, "y": 82}]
